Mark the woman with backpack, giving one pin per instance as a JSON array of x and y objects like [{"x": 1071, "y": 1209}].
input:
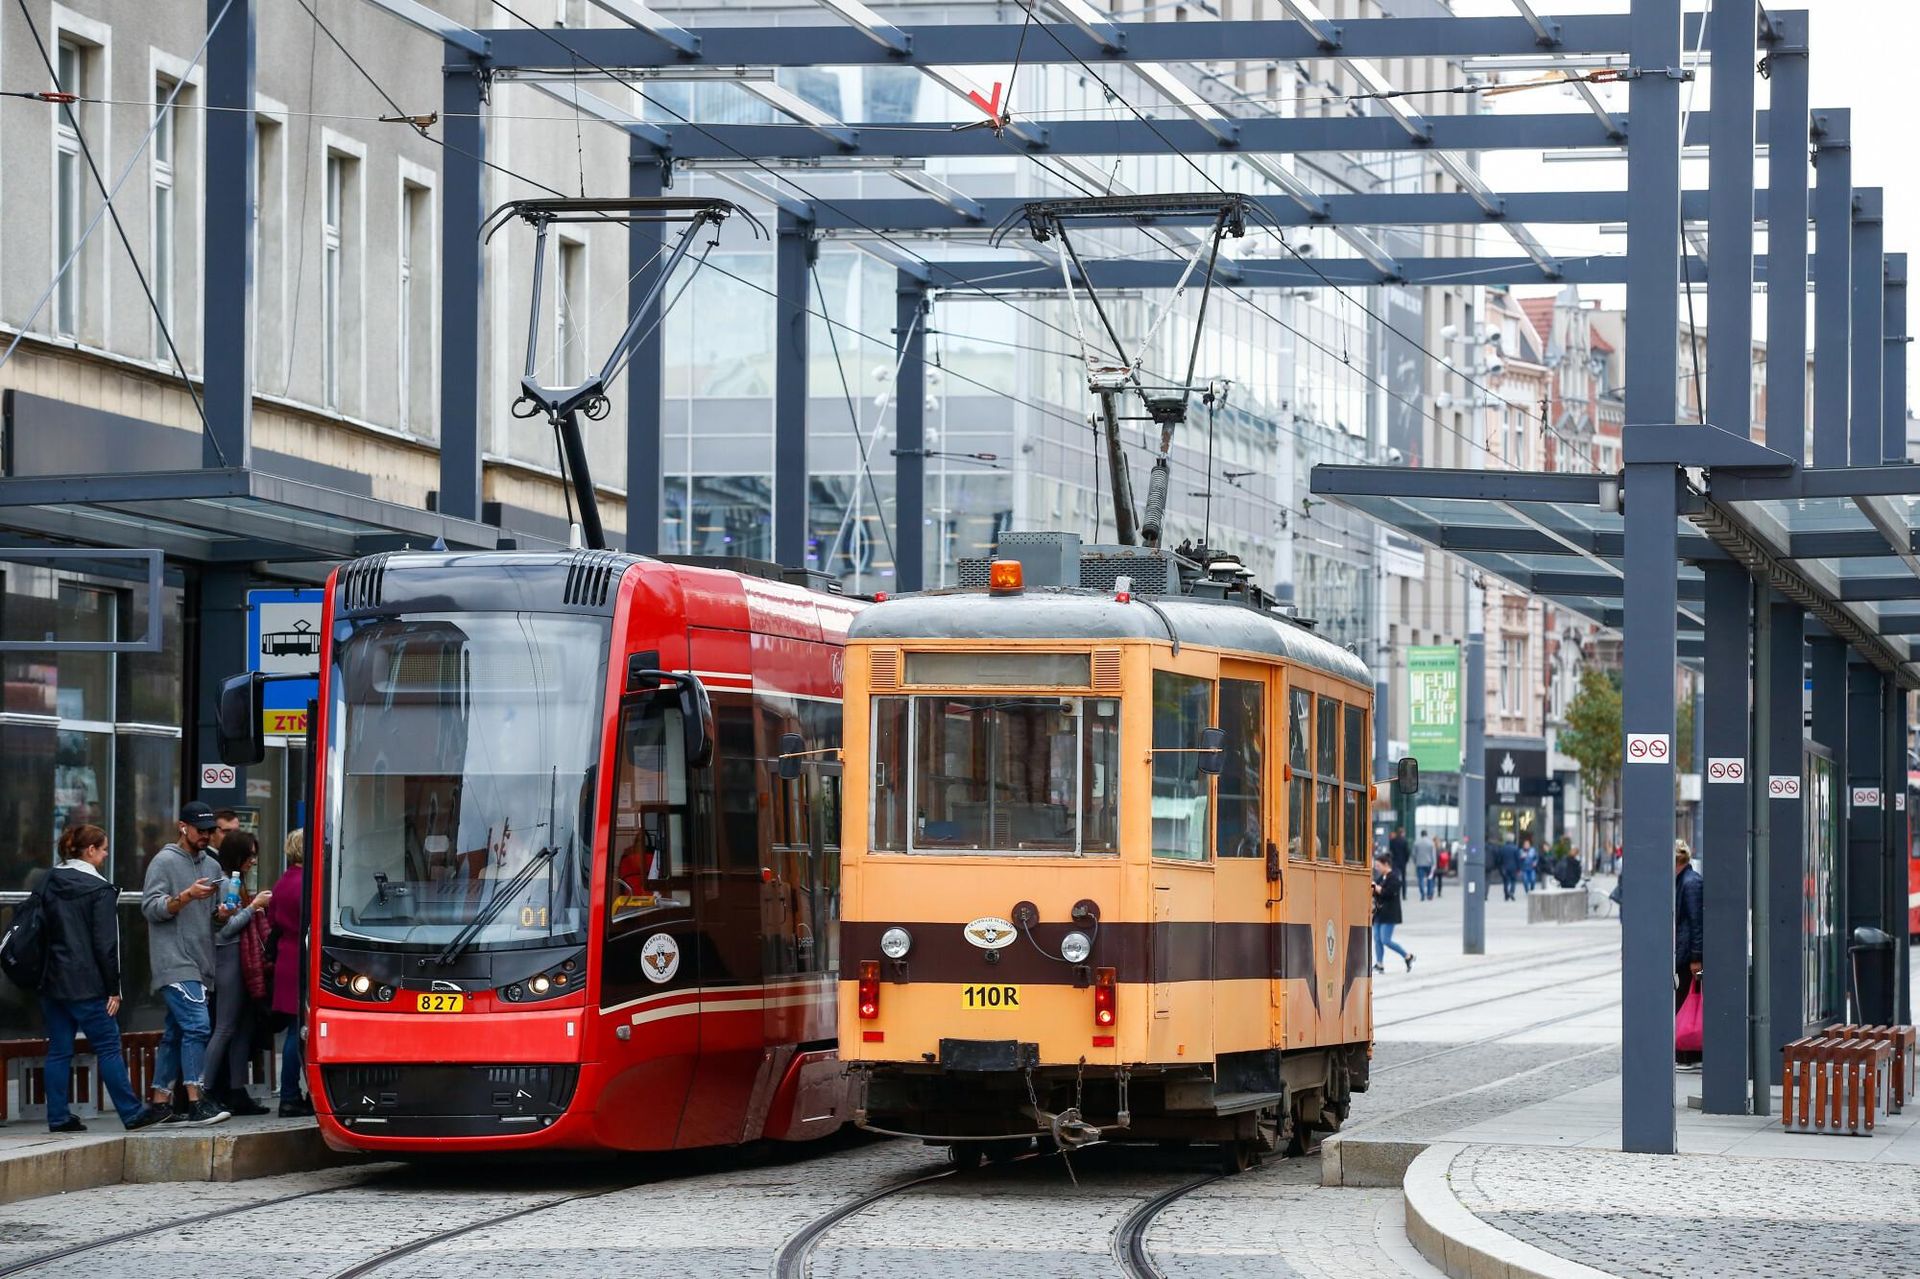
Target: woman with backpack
[
  {"x": 233, "y": 1010},
  {"x": 80, "y": 987}
]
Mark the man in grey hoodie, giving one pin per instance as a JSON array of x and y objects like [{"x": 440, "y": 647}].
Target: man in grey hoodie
[{"x": 178, "y": 901}]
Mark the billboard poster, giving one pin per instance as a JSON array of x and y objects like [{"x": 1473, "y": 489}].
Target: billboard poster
[{"x": 1433, "y": 706}]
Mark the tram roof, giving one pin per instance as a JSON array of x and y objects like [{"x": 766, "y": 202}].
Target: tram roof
[{"x": 1070, "y": 613}]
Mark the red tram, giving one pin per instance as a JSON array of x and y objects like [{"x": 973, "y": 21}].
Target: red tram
[{"x": 560, "y": 895}]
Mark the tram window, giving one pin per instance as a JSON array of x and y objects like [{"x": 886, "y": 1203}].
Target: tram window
[
  {"x": 890, "y": 811},
  {"x": 1300, "y": 756},
  {"x": 1242, "y": 715},
  {"x": 649, "y": 851},
  {"x": 1356, "y": 779},
  {"x": 1012, "y": 773},
  {"x": 1326, "y": 758},
  {"x": 1181, "y": 706}
]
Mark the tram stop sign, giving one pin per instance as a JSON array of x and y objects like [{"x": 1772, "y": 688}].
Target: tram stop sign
[{"x": 283, "y": 638}]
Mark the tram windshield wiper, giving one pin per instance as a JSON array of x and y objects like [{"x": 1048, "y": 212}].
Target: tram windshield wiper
[{"x": 495, "y": 904}]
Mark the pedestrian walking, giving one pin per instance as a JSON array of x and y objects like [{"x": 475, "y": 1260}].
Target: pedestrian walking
[
  {"x": 234, "y": 1011},
  {"x": 1425, "y": 859},
  {"x": 1387, "y": 889},
  {"x": 81, "y": 989},
  {"x": 1400, "y": 854},
  {"x": 1447, "y": 861},
  {"x": 1509, "y": 859},
  {"x": 178, "y": 902},
  {"x": 288, "y": 926},
  {"x": 1529, "y": 863},
  {"x": 1689, "y": 920}
]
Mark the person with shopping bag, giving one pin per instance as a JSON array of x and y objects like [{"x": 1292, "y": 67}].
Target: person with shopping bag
[{"x": 1688, "y": 933}]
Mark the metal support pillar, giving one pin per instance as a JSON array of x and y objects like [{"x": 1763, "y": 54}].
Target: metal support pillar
[
  {"x": 1832, "y": 289},
  {"x": 1869, "y": 321},
  {"x": 1760, "y": 817},
  {"x": 1731, "y": 28},
  {"x": 1893, "y": 363},
  {"x": 646, "y": 179},
  {"x": 1724, "y": 803},
  {"x": 1899, "y": 837},
  {"x": 910, "y": 432},
  {"x": 227, "y": 277},
  {"x": 1787, "y": 235},
  {"x": 1473, "y": 778},
  {"x": 1786, "y": 868},
  {"x": 1652, "y": 547},
  {"x": 793, "y": 255},
  {"x": 462, "y": 287},
  {"x": 1864, "y": 861},
  {"x": 217, "y": 641}
]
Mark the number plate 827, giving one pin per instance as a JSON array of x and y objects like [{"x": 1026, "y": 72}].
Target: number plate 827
[{"x": 992, "y": 998}]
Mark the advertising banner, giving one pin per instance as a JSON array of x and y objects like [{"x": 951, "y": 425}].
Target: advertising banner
[{"x": 1433, "y": 706}]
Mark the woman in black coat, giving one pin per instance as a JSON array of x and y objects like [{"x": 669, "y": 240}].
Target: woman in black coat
[
  {"x": 1386, "y": 913},
  {"x": 81, "y": 988}
]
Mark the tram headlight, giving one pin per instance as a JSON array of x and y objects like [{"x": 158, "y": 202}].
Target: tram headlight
[
  {"x": 895, "y": 943},
  {"x": 1075, "y": 947},
  {"x": 361, "y": 984},
  {"x": 539, "y": 985}
]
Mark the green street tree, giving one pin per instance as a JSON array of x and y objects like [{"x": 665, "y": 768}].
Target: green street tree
[{"x": 1592, "y": 736}]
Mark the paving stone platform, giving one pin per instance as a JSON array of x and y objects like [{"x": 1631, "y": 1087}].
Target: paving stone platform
[{"x": 35, "y": 1162}]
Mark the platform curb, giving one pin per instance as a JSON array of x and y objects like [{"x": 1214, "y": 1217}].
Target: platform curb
[
  {"x": 218, "y": 1153},
  {"x": 1357, "y": 1161},
  {"x": 1452, "y": 1238}
]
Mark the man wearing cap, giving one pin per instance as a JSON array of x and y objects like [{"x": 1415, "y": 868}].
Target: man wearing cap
[{"x": 178, "y": 901}]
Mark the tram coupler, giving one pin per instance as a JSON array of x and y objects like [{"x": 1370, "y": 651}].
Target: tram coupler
[{"x": 1068, "y": 1129}]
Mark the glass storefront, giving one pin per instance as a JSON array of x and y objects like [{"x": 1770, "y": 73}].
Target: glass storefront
[{"x": 89, "y": 738}]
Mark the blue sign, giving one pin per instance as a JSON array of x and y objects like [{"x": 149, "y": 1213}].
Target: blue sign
[{"x": 283, "y": 638}]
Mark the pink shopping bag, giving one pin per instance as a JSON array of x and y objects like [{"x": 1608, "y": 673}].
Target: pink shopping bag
[{"x": 1686, "y": 1023}]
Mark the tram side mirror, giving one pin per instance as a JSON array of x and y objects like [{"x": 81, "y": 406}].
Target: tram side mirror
[
  {"x": 1406, "y": 777},
  {"x": 696, "y": 710},
  {"x": 1213, "y": 751},
  {"x": 241, "y": 734},
  {"x": 792, "y": 746}
]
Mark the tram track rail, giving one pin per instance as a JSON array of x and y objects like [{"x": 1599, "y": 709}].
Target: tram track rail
[
  {"x": 1130, "y": 1236},
  {"x": 795, "y": 1256},
  {"x": 1481, "y": 1003},
  {"x": 371, "y": 1264}
]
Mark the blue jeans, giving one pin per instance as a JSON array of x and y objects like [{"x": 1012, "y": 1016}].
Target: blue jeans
[
  {"x": 1426, "y": 881},
  {"x": 1383, "y": 942},
  {"x": 290, "y": 1064},
  {"x": 1529, "y": 876},
  {"x": 183, "y": 1045},
  {"x": 89, "y": 1016}
]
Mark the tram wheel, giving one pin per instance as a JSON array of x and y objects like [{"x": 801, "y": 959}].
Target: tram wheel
[
  {"x": 1269, "y": 1131},
  {"x": 966, "y": 1155},
  {"x": 1302, "y": 1131},
  {"x": 1238, "y": 1156}
]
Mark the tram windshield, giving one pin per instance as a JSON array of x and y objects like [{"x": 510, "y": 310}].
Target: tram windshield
[
  {"x": 462, "y": 757},
  {"x": 1009, "y": 773}
]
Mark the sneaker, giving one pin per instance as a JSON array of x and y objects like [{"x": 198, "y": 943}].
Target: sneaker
[
  {"x": 149, "y": 1116},
  {"x": 298, "y": 1108},
  {"x": 240, "y": 1104},
  {"x": 1379, "y": 968},
  {"x": 70, "y": 1124},
  {"x": 207, "y": 1111},
  {"x": 1409, "y": 959},
  {"x": 1688, "y": 1067}
]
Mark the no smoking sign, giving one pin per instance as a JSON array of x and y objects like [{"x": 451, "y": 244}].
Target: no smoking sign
[
  {"x": 217, "y": 777},
  {"x": 1783, "y": 786},
  {"x": 1728, "y": 768},
  {"x": 1649, "y": 748}
]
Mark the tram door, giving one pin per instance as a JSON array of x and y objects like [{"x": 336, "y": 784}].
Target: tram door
[{"x": 1243, "y": 831}]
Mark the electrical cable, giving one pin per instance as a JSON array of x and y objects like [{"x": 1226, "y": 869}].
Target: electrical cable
[
  {"x": 853, "y": 414},
  {"x": 107, "y": 209}
]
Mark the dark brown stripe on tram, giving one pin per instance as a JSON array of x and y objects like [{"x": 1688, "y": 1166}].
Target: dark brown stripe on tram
[{"x": 1166, "y": 952}]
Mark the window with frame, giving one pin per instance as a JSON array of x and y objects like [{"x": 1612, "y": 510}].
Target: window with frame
[
  {"x": 1300, "y": 760},
  {"x": 1355, "y": 785},
  {"x": 570, "y": 313},
  {"x": 164, "y": 131},
  {"x": 416, "y": 397},
  {"x": 1326, "y": 778},
  {"x": 1240, "y": 830},
  {"x": 69, "y": 192},
  {"x": 1182, "y": 706}
]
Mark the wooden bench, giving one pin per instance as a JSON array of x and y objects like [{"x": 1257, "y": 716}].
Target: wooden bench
[
  {"x": 1906, "y": 1056},
  {"x": 1835, "y": 1083},
  {"x": 139, "y": 1047}
]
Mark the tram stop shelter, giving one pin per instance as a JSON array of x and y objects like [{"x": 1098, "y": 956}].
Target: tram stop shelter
[{"x": 1760, "y": 559}]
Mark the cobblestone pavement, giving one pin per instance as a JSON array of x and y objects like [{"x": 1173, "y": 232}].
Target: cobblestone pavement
[
  {"x": 1653, "y": 1216},
  {"x": 1462, "y": 1039}
]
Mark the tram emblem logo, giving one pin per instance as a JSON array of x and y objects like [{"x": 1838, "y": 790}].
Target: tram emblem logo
[
  {"x": 447, "y": 985},
  {"x": 660, "y": 958},
  {"x": 1329, "y": 941},
  {"x": 989, "y": 932}
]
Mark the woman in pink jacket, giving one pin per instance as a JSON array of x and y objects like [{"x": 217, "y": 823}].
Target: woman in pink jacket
[{"x": 285, "y": 916}]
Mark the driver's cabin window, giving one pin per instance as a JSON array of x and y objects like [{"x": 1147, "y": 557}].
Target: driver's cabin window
[{"x": 651, "y": 862}]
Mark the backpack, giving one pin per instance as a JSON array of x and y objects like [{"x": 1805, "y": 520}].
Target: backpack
[{"x": 23, "y": 950}]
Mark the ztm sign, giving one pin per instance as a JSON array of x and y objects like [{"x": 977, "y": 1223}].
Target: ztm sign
[
  {"x": 1726, "y": 768},
  {"x": 1783, "y": 786},
  {"x": 1649, "y": 748}
]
